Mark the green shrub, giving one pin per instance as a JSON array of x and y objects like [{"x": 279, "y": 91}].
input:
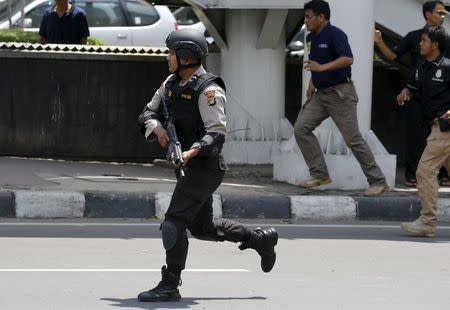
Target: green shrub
[
  {"x": 95, "y": 41},
  {"x": 18, "y": 35}
]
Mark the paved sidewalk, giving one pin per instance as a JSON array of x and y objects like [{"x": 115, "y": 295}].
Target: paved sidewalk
[{"x": 40, "y": 188}]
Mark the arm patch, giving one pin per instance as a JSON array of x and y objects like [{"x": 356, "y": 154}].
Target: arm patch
[{"x": 211, "y": 97}]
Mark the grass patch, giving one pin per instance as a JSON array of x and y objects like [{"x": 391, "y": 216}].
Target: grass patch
[{"x": 18, "y": 35}]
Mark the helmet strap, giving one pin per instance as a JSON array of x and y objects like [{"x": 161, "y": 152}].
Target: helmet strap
[{"x": 182, "y": 67}]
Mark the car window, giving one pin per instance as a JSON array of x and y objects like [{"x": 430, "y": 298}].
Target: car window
[
  {"x": 37, "y": 13},
  {"x": 15, "y": 7},
  {"x": 103, "y": 13},
  {"x": 141, "y": 13},
  {"x": 185, "y": 16}
]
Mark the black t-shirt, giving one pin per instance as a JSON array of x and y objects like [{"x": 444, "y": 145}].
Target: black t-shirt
[
  {"x": 431, "y": 81},
  {"x": 411, "y": 44}
]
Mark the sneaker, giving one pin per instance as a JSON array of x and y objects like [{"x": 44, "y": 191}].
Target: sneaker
[
  {"x": 419, "y": 229},
  {"x": 376, "y": 190},
  {"x": 313, "y": 182}
]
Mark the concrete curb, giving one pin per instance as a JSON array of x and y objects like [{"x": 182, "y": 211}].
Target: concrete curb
[
  {"x": 256, "y": 207},
  {"x": 7, "y": 204},
  {"x": 47, "y": 204},
  {"x": 323, "y": 208},
  {"x": 36, "y": 204},
  {"x": 119, "y": 205},
  {"x": 396, "y": 208}
]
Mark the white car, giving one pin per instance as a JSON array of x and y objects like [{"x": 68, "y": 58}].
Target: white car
[
  {"x": 117, "y": 22},
  {"x": 186, "y": 18}
]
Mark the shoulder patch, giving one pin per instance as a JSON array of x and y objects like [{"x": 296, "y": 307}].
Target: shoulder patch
[{"x": 211, "y": 96}]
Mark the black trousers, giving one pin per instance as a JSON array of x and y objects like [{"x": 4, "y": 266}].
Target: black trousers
[
  {"x": 417, "y": 131},
  {"x": 191, "y": 208}
]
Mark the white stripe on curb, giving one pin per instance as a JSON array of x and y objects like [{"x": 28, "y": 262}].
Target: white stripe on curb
[
  {"x": 444, "y": 210},
  {"x": 162, "y": 201},
  {"x": 323, "y": 208},
  {"x": 38, "y": 204}
]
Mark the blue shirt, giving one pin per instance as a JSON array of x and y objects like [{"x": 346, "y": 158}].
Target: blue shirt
[
  {"x": 67, "y": 29},
  {"x": 330, "y": 44}
]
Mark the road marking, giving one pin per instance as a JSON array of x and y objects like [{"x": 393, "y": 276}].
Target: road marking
[
  {"x": 115, "y": 270},
  {"x": 242, "y": 185},
  {"x": 99, "y": 178}
]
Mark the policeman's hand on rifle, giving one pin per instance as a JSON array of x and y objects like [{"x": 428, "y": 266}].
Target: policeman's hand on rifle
[
  {"x": 405, "y": 95},
  {"x": 190, "y": 154},
  {"x": 186, "y": 156},
  {"x": 162, "y": 136}
]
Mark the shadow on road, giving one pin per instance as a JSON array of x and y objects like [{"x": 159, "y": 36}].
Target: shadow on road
[
  {"x": 366, "y": 231},
  {"x": 188, "y": 302}
]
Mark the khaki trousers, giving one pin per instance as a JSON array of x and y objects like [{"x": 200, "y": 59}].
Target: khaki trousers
[
  {"x": 436, "y": 155},
  {"x": 339, "y": 103}
]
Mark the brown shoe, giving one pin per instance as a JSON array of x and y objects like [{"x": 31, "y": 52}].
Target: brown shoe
[
  {"x": 419, "y": 229},
  {"x": 313, "y": 182},
  {"x": 376, "y": 190}
]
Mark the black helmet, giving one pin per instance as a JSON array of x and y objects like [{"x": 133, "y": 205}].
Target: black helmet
[{"x": 187, "y": 43}]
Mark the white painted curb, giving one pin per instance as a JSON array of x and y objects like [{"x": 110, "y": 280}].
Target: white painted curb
[
  {"x": 444, "y": 210},
  {"x": 162, "y": 201},
  {"x": 323, "y": 208},
  {"x": 30, "y": 204}
]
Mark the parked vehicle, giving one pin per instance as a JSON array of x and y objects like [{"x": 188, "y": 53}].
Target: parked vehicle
[
  {"x": 186, "y": 18},
  {"x": 296, "y": 45},
  {"x": 117, "y": 22}
]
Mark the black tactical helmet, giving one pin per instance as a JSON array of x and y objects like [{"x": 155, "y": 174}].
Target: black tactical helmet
[{"x": 187, "y": 43}]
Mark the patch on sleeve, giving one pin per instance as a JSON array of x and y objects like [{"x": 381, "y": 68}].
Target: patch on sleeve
[{"x": 211, "y": 96}]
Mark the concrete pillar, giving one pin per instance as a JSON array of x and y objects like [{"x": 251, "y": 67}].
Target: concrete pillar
[{"x": 255, "y": 77}]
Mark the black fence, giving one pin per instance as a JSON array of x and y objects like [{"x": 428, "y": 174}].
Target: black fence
[{"x": 77, "y": 108}]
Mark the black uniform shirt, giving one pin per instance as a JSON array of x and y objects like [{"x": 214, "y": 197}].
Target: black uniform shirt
[
  {"x": 411, "y": 44},
  {"x": 431, "y": 81}
]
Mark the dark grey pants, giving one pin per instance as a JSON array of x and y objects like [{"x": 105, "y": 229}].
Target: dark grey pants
[{"x": 339, "y": 103}]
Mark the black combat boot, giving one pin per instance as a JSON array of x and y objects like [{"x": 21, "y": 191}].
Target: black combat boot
[
  {"x": 264, "y": 242},
  {"x": 166, "y": 290}
]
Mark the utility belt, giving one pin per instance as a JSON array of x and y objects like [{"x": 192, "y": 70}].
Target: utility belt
[{"x": 213, "y": 163}]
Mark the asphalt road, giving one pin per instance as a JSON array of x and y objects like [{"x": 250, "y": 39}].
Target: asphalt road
[{"x": 103, "y": 265}]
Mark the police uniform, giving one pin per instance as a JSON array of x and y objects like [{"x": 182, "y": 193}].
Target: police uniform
[
  {"x": 417, "y": 130},
  {"x": 431, "y": 82},
  {"x": 197, "y": 109}
]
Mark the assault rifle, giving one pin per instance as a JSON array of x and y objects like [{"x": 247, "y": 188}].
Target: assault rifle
[{"x": 174, "y": 145}]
